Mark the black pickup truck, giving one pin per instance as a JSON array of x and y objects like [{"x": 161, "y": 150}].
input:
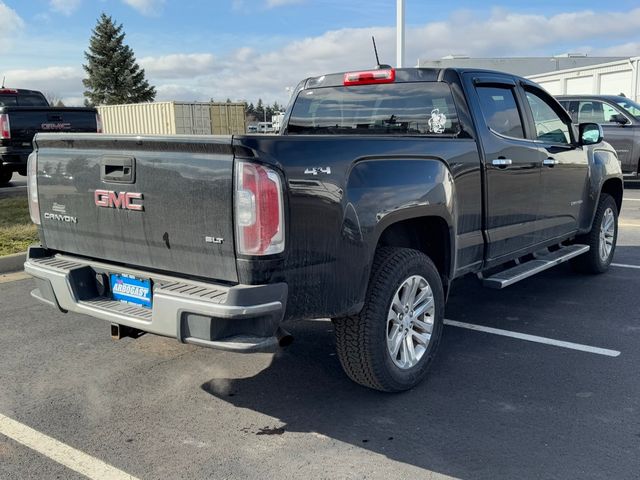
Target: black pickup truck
[
  {"x": 25, "y": 112},
  {"x": 383, "y": 188}
]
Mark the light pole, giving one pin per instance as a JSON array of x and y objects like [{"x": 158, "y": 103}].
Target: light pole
[{"x": 400, "y": 34}]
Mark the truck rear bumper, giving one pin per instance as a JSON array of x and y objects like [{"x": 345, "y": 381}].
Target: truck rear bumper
[
  {"x": 15, "y": 157},
  {"x": 239, "y": 318}
]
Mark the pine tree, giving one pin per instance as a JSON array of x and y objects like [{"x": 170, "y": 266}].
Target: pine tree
[
  {"x": 113, "y": 75},
  {"x": 260, "y": 110}
]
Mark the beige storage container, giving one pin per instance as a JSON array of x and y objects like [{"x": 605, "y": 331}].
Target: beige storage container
[
  {"x": 174, "y": 118},
  {"x": 228, "y": 118}
]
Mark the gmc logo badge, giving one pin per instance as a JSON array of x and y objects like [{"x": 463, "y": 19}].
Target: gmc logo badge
[{"x": 120, "y": 200}]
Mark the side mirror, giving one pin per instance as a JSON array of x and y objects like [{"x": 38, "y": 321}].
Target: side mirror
[
  {"x": 619, "y": 118},
  {"x": 590, "y": 133}
]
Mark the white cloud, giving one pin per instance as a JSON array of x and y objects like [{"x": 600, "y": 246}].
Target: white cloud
[
  {"x": 66, "y": 7},
  {"x": 64, "y": 82},
  {"x": 246, "y": 6},
  {"x": 281, "y": 3},
  {"x": 146, "y": 7},
  {"x": 180, "y": 65},
  {"x": 247, "y": 73},
  {"x": 630, "y": 49},
  {"x": 10, "y": 21}
]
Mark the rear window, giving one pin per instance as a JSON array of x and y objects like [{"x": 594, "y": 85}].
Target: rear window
[
  {"x": 23, "y": 100},
  {"x": 421, "y": 108}
]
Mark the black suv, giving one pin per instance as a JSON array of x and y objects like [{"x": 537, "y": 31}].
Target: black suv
[{"x": 620, "y": 120}]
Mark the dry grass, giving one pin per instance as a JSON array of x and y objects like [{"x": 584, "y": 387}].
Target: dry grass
[{"x": 16, "y": 230}]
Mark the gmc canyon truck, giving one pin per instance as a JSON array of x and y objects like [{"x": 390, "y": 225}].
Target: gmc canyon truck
[
  {"x": 25, "y": 112},
  {"x": 383, "y": 188}
]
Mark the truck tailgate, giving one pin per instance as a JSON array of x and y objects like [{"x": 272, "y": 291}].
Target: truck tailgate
[
  {"x": 27, "y": 121},
  {"x": 178, "y": 190}
]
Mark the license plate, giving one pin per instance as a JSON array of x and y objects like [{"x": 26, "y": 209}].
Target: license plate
[{"x": 130, "y": 289}]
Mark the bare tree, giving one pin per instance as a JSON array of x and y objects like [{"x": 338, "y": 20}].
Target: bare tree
[{"x": 52, "y": 97}]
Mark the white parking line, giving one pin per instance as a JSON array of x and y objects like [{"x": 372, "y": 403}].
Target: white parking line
[
  {"x": 624, "y": 265},
  {"x": 534, "y": 338},
  {"x": 631, "y": 200},
  {"x": 59, "y": 452}
]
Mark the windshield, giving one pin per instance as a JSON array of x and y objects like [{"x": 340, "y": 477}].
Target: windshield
[
  {"x": 632, "y": 107},
  {"x": 421, "y": 108},
  {"x": 23, "y": 100}
]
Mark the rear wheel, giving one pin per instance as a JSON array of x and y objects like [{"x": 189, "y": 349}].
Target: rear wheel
[
  {"x": 601, "y": 239},
  {"x": 390, "y": 344},
  {"x": 5, "y": 176}
]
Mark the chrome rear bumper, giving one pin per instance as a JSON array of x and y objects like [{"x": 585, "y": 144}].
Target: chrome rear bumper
[{"x": 238, "y": 318}]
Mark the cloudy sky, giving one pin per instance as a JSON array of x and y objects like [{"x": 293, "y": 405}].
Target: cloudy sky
[{"x": 245, "y": 49}]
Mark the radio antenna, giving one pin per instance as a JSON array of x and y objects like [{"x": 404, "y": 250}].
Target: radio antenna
[
  {"x": 375, "y": 50},
  {"x": 3, "y": 79}
]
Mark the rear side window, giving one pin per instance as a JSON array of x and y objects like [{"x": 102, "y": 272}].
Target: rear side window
[
  {"x": 421, "y": 108},
  {"x": 500, "y": 111}
]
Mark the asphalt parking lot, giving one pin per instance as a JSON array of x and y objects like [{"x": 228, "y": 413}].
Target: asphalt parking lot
[
  {"x": 493, "y": 406},
  {"x": 17, "y": 186}
]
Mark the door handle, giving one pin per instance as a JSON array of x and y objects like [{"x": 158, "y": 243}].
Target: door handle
[
  {"x": 501, "y": 162},
  {"x": 116, "y": 169},
  {"x": 549, "y": 162}
]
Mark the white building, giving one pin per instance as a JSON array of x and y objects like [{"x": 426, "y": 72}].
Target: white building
[
  {"x": 568, "y": 74},
  {"x": 609, "y": 78},
  {"x": 523, "y": 66}
]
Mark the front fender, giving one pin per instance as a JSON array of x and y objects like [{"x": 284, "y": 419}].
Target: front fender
[{"x": 603, "y": 165}]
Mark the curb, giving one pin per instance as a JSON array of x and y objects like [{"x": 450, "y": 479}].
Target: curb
[{"x": 13, "y": 263}]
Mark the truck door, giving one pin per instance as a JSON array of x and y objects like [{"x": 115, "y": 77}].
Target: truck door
[
  {"x": 564, "y": 165},
  {"x": 512, "y": 166}
]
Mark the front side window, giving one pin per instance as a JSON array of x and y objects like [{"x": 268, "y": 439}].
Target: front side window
[
  {"x": 610, "y": 113},
  {"x": 500, "y": 111},
  {"x": 549, "y": 127},
  {"x": 420, "y": 108}
]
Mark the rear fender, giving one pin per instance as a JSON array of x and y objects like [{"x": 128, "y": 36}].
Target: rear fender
[{"x": 382, "y": 192}]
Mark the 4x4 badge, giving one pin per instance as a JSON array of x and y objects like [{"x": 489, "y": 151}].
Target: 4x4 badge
[{"x": 316, "y": 170}]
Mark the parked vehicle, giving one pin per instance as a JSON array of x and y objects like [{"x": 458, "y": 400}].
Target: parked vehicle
[
  {"x": 383, "y": 188},
  {"x": 25, "y": 112},
  {"x": 265, "y": 127},
  {"x": 620, "y": 120},
  {"x": 277, "y": 120}
]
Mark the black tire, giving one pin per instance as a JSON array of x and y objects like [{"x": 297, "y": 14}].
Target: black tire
[
  {"x": 361, "y": 340},
  {"x": 5, "y": 176},
  {"x": 592, "y": 261}
]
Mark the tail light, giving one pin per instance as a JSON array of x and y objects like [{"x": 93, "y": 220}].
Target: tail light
[
  {"x": 98, "y": 123},
  {"x": 370, "y": 76},
  {"x": 32, "y": 188},
  {"x": 5, "y": 127},
  {"x": 259, "y": 210}
]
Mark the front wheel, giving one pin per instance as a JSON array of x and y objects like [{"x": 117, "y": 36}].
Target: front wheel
[
  {"x": 601, "y": 239},
  {"x": 390, "y": 344}
]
